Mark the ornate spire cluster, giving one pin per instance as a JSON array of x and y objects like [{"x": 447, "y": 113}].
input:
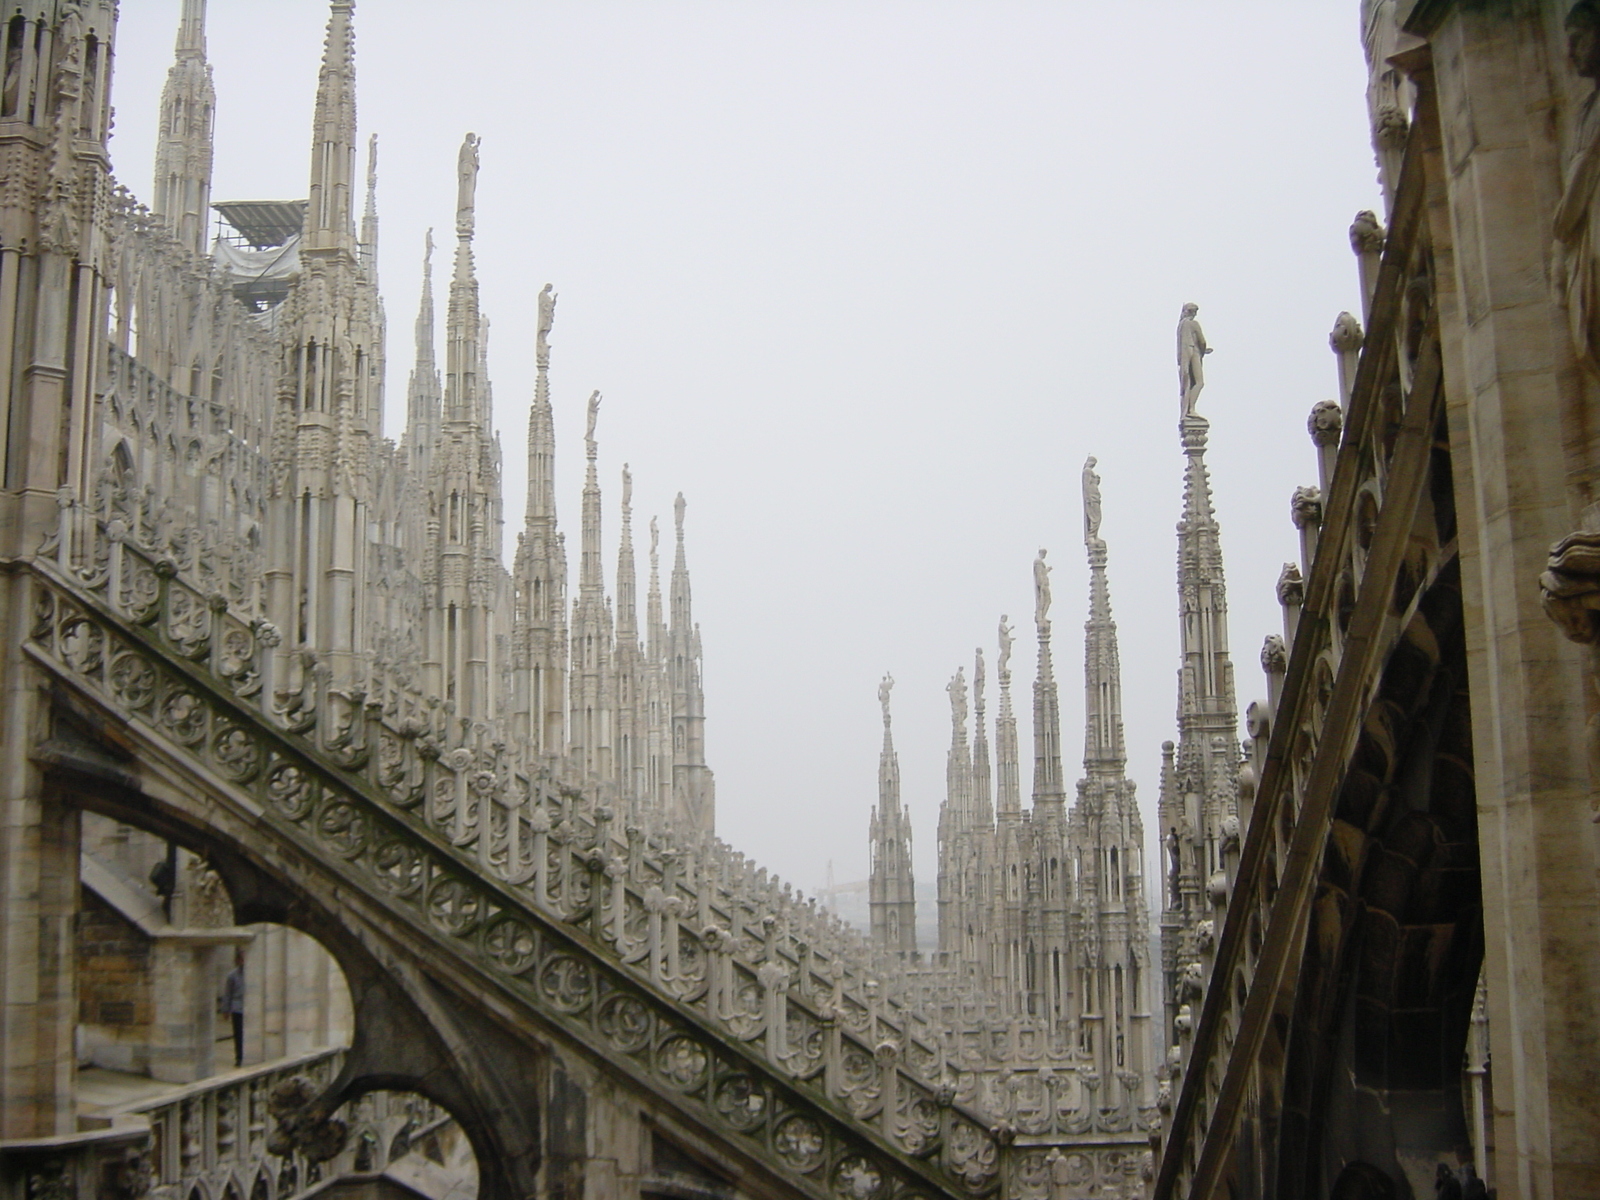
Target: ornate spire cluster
[
  {"x": 379, "y": 562},
  {"x": 1042, "y": 918}
]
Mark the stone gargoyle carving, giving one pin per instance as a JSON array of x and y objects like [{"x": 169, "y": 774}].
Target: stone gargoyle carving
[{"x": 303, "y": 1124}]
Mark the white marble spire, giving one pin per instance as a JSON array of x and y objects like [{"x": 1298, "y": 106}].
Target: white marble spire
[
  {"x": 891, "y": 893},
  {"x": 424, "y": 391},
  {"x": 540, "y": 568},
  {"x": 694, "y": 794},
  {"x": 463, "y": 395},
  {"x": 369, "y": 216},
  {"x": 182, "y": 193},
  {"x": 1103, "y": 748},
  {"x": 1048, "y": 792},
  {"x": 330, "y": 210},
  {"x": 982, "y": 784},
  {"x": 591, "y": 671},
  {"x": 1201, "y": 790}
]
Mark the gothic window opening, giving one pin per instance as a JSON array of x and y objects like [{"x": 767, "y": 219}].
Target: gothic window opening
[{"x": 1116, "y": 878}]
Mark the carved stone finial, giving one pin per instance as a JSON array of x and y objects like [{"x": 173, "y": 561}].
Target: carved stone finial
[
  {"x": 1346, "y": 335},
  {"x": 1305, "y": 507},
  {"x": 1291, "y": 586},
  {"x": 1366, "y": 234},
  {"x": 1570, "y": 586},
  {"x": 1257, "y": 720},
  {"x": 1274, "y": 657},
  {"x": 884, "y": 689},
  {"x": 1392, "y": 127},
  {"x": 1326, "y": 423}
]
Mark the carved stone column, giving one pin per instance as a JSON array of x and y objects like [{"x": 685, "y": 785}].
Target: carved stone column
[{"x": 1495, "y": 101}]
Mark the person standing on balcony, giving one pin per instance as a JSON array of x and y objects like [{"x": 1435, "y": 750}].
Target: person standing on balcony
[{"x": 233, "y": 1004}]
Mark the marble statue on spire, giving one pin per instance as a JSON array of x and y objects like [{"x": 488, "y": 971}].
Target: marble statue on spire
[
  {"x": 884, "y": 688},
  {"x": 547, "y": 314},
  {"x": 1091, "y": 501},
  {"x": 466, "y": 182},
  {"x": 1041, "y": 589},
  {"x": 1005, "y": 647},
  {"x": 1192, "y": 350},
  {"x": 594, "y": 417},
  {"x": 957, "y": 688}
]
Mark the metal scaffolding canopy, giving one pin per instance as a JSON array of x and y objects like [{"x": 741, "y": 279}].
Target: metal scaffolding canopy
[{"x": 264, "y": 223}]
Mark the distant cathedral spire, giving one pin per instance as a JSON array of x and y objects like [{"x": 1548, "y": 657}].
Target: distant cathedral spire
[
  {"x": 1103, "y": 748},
  {"x": 540, "y": 569},
  {"x": 182, "y": 193},
  {"x": 891, "y": 890},
  {"x": 369, "y": 216},
  {"x": 982, "y": 796},
  {"x": 1008, "y": 772},
  {"x": 694, "y": 793},
  {"x": 1048, "y": 792},
  {"x": 425, "y": 390},
  {"x": 1106, "y": 838},
  {"x": 632, "y": 727},
  {"x": 591, "y": 679}
]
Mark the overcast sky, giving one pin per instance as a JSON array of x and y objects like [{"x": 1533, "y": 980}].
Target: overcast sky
[{"x": 867, "y": 281}]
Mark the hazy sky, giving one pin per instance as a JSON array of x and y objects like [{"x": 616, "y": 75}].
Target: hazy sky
[{"x": 867, "y": 281}]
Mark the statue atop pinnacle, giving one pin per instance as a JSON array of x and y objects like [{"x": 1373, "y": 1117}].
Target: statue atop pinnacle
[
  {"x": 1091, "y": 501},
  {"x": 466, "y": 184},
  {"x": 1041, "y": 590},
  {"x": 1192, "y": 350}
]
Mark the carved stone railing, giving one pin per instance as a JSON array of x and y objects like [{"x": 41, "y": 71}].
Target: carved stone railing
[
  {"x": 214, "y": 1137},
  {"x": 699, "y": 996},
  {"x": 214, "y": 1133},
  {"x": 1365, "y": 573}
]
